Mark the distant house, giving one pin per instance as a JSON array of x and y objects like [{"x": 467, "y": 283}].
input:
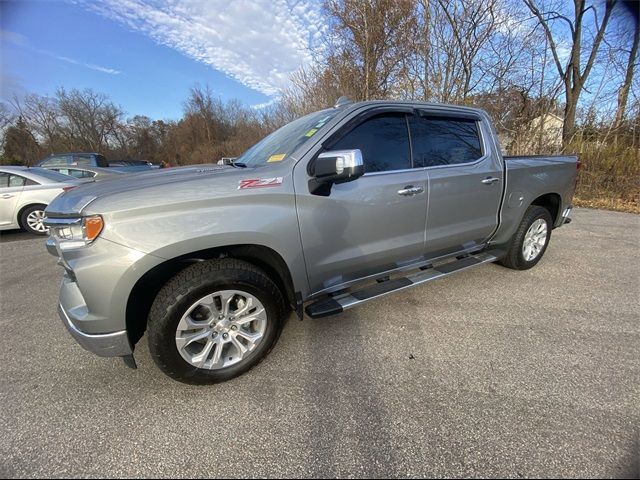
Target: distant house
[
  {"x": 547, "y": 130},
  {"x": 542, "y": 134}
]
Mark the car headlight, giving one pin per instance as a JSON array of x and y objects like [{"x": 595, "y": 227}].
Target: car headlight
[{"x": 77, "y": 232}]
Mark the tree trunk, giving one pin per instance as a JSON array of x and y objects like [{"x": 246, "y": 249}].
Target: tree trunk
[
  {"x": 569, "y": 125},
  {"x": 623, "y": 95}
]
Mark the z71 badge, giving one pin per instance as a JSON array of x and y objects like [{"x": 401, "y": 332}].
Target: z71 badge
[{"x": 260, "y": 183}]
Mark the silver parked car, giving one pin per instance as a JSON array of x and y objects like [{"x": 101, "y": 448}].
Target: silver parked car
[
  {"x": 25, "y": 193},
  {"x": 84, "y": 172}
]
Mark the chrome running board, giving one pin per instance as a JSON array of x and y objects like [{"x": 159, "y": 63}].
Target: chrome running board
[{"x": 339, "y": 303}]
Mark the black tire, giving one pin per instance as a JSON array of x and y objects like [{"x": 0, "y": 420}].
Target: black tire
[
  {"x": 24, "y": 224},
  {"x": 515, "y": 258},
  {"x": 188, "y": 287}
]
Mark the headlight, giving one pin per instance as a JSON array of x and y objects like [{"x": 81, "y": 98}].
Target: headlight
[{"x": 74, "y": 233}]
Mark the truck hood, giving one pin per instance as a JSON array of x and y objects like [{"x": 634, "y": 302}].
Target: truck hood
[{"x": 74, "y": 201}]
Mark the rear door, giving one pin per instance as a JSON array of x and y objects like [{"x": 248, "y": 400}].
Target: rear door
[
  {"x": 465, "y": 180},
  {"x": 372, "y": 224}
]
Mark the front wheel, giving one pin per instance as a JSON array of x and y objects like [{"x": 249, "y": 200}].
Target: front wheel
[
  {"x": 531, "y": 239},
  {"x": 214, "y": 321}
]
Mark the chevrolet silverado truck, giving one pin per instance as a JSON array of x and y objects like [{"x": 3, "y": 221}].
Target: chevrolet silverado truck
[{"x": 335, "y": 209}]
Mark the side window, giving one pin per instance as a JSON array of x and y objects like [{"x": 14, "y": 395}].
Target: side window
[
  {"x": 81, "y": 160},
  {"x": 444, "y": 141},
  {"x": 4, "y": 180},
  {"x": 383, "y": 141},
  {"x": 55, "y": 161},
  {"x": 101, "y": 161},
  {"x": 16, "y": 181}
]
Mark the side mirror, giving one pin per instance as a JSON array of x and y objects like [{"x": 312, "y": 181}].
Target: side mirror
[{"x": 338, "y": 166}]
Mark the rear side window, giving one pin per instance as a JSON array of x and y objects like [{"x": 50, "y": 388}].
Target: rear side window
[
  {"x": 81, "y": 160},
  {"x": 58, "y": 161},
  {"x": 101, "y": 161},
  {"x": 74, "y": 172},
  {"x": 16, "y": 181},
  {"x": 383, "y": 141},
  {"x": 444, "y": 141},
  {"x": 4, "y": 180}
]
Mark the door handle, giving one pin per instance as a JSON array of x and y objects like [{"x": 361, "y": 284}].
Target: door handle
[
  {"x": 7, "y": 195},
  {"x": 410, "y": 190},
  {"x": 490, "y": 180}
]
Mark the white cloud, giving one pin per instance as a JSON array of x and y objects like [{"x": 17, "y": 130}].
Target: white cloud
[
  {"x": 260, "y": 106},
  {"x": 92, "y": 66},
  {"x": 258, "y": 43},
  {"x": 13, "y": 37}
]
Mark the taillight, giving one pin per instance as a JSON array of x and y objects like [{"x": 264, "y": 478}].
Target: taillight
[
  {"x": 66, "y": 189},
  {"x": 578, "y": 165}
]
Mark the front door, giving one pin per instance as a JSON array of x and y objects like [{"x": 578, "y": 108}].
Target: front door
[
  {"x": 373, "y": 224},
  {"x": 11, "y": 187}
]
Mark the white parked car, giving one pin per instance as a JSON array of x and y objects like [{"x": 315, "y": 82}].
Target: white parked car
[{"x": 25, "y": 193}]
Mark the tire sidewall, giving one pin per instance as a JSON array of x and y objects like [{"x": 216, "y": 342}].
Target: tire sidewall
[
  {"x": 534, "y": 215},
  {"x": 162, "y": 338},
  {"x": 23, "y": 219}
]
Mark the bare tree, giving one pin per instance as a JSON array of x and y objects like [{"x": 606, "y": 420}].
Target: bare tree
[
  {"x": 573, "y": 75},
  {"x": 623, "y": 93},
  {"x": 368, "y": 43}
]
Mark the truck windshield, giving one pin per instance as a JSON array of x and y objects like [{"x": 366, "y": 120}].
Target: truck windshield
[{"x": 284, "y": 141}]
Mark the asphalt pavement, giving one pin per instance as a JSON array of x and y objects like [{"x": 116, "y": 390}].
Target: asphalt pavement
[{"x": 490, "y": 372}]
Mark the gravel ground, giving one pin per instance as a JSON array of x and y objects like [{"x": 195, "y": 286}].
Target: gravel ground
[{"x": 490, "y": 372}]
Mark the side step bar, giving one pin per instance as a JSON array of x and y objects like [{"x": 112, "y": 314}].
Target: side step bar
[{"x": 338, "y": 303}]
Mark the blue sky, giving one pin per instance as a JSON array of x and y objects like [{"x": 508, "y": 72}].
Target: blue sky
[{"x": 146, "y": 54}]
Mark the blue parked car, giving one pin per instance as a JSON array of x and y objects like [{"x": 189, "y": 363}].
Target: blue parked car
[{"x": 93, "y": 160}]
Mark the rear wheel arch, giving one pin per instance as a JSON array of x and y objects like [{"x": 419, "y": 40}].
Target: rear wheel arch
[
  {"x": 552, "y": 202},
  {"x": 146, "y": 289}
]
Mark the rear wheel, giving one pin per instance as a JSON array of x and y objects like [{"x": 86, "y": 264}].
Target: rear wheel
[
  {"x": 214, "y": 321},
  {"x": 531, "y": 239},
  {"x": 32, "y": 220}
]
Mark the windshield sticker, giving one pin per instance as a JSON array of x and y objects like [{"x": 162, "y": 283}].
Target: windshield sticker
[
  {"x": 311, "y": 132},
  {"x": 276, "y": 158},
  {"x": 259, "y": 183}
]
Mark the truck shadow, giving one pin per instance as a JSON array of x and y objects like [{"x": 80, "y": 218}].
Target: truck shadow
[
  {"x": 7, "y": 236},
  {"x": 349, "y": 430}
]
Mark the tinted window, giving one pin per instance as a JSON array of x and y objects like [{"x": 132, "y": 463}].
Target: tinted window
[
  {"x": 4, "y": 180},
  {"x": 101, "y": 161},
  {"x": 81, "y": 160},
  {"x": 383, "y": 141},
  {"x": 54, "y": 161},
  {"x": 444, "y": 141}
]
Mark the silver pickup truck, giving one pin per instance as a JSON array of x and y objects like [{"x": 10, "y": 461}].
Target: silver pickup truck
[{"x": 335, "y": 209}]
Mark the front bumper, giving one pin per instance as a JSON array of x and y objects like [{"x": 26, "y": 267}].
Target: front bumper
[
  {"x": 114, "y": 344},
  {"x": 94, "y": 293}
]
